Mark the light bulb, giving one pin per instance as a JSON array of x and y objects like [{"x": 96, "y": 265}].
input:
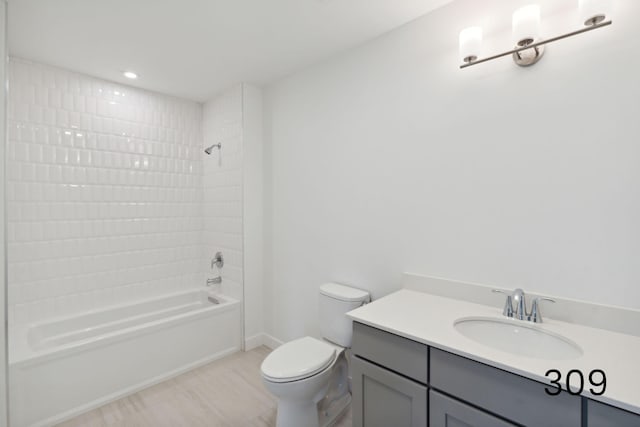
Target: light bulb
[
  {"x": 470, "y": 44},
  {"x": 593, "y": 12},
  {"x": 526, "y": 25}
]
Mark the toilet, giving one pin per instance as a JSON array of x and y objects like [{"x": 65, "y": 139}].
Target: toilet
[{"x": 310, "y": 377}]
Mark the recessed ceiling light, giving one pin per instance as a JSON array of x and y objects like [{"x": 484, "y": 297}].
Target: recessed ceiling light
[{"x": 130, "y": 75}]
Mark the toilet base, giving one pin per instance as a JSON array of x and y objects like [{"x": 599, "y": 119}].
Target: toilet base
[
  {"x": 293, "y": 414},
  {"x": 329, "y": 415},
  {"x": 321, "y": 414}
]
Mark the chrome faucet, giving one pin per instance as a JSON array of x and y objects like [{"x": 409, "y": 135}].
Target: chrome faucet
[
  {"x": 508, "y": 304},
  {"x": 536, "y": 316},
  {"x": 216, "y": 262},
  {"x": 214, "y": 281},
  {"x": 521, "y": 304},
  {"x": 520, "y": 310}
]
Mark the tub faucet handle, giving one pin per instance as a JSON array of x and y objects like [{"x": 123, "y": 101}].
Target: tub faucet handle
[{"x": 217, "y": 260}]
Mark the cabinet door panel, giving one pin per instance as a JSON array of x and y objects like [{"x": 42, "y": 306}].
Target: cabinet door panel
[
  {"x": 382, "y": 398},
  {"x": 601, "y": 415},
  {"x": 398, "y": 354},
  {"x": 513, "y": 397},
  {"x": 447, "y": 412}
]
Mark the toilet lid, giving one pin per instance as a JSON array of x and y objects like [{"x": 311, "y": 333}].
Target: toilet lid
[{"x": 297, "y": 360}]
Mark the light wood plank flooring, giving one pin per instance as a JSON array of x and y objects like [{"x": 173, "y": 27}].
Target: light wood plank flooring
[{"x": 228, "y": 392}]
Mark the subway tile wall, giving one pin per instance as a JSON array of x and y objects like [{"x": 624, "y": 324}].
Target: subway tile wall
[
  {"x": 223, "y": 188},
  {"x": 105, "y": 193}
]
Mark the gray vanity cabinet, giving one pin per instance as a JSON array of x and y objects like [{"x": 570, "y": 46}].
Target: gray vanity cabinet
[
  {"x": 392, "y": 376},
  {"x": 398, "y": 354},
  {"x": 399, "y": 382},
  {"x": 382, "y": 398},
  {"x": 389, "y": 379},
  {"x": 447, "y": 412},
  {"x": 511, "y": 396},
  {"x": 601, "y": 415}
]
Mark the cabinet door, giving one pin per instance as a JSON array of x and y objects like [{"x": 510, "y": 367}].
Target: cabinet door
[
  {"x": 515, "y": 398},
  {"x": 601, "y": 415},
  {"x": 382, "y": 398},
  {"x": 447, "y": 412},
  {"x": 398, "y": 354}
]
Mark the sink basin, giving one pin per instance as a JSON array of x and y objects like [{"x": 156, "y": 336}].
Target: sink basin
[{"x": 517, "y": 337}]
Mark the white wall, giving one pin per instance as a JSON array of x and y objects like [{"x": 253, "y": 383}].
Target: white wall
[
  {"x": 104, "y": 193},
  {"x": 222, "y": 183},
  {"x": 253, "y": 213},
  {"x": 3, "y": 281},
  {"x": 389, "y": 159},
  {"x": 233, "y": 214}
]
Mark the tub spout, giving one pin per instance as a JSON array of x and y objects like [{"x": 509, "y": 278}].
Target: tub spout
[{"x": 214, "y": 281}]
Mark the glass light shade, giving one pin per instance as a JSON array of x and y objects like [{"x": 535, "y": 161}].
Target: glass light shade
[
  {"x": 594, "y": 11},
  {"x": 526, "y": 24},
  {"x": 470, "y": 44}
]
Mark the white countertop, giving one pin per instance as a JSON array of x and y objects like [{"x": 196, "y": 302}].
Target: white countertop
[{"x": 429, "y": 319}]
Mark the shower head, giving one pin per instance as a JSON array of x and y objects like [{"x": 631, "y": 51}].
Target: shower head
[{"x": 210, "y": 149}]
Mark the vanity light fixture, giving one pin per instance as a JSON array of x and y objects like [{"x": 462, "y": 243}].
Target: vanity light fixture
[
  {"x": 130, "y": 75},
  {"x": 529, "y": 47}
]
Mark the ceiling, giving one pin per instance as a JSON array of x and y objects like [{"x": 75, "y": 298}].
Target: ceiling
[{"x": 196, "y": 48}]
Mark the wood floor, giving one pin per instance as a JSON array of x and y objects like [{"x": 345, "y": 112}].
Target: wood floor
[{"x": 225, "y": 393}]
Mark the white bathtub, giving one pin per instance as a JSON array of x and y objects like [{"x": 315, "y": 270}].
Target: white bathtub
[{"x": 67, "y": 366}]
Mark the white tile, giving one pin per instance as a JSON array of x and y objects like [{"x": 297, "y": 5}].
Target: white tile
[
  {"x": 80, "y": 168},
  {"x": 110, "y": 195}
]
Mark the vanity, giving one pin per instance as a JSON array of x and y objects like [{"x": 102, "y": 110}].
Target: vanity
[{"x": 413, "y": 365}]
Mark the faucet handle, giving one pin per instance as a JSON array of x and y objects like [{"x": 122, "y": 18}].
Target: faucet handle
[
  {"x": 508, "y": 304},
  {"x": 217, "y": 260},
  {"x": 536, "y": 316}
]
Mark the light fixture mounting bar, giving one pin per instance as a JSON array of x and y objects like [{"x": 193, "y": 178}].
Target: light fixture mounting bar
[{"x": 540, "y": 43}]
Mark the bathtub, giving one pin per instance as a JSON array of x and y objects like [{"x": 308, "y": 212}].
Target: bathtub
[{"x": 67, "y": 366}]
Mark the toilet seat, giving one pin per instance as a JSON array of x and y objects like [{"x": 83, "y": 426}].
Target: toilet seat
[{"x": 298, "y": 359}]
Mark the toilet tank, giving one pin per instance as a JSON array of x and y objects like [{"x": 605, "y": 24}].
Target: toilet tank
[{"x": 335, "y": 301}]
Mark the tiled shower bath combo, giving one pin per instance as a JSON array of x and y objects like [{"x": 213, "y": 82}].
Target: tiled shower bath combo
[{"x": 107, "y": 257}]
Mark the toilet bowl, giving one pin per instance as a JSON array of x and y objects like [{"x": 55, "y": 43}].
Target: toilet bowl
[
  {"x": 309, "y": 376},
  {"x": 303, "y": 373}
]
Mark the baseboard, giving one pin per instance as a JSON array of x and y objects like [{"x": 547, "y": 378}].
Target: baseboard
[
  {"x": 257, "y": 340},
  {"x": 133, "y": 389},
  {"x": 254, "y": 341},
  {"x": 271, "y": 342}
]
